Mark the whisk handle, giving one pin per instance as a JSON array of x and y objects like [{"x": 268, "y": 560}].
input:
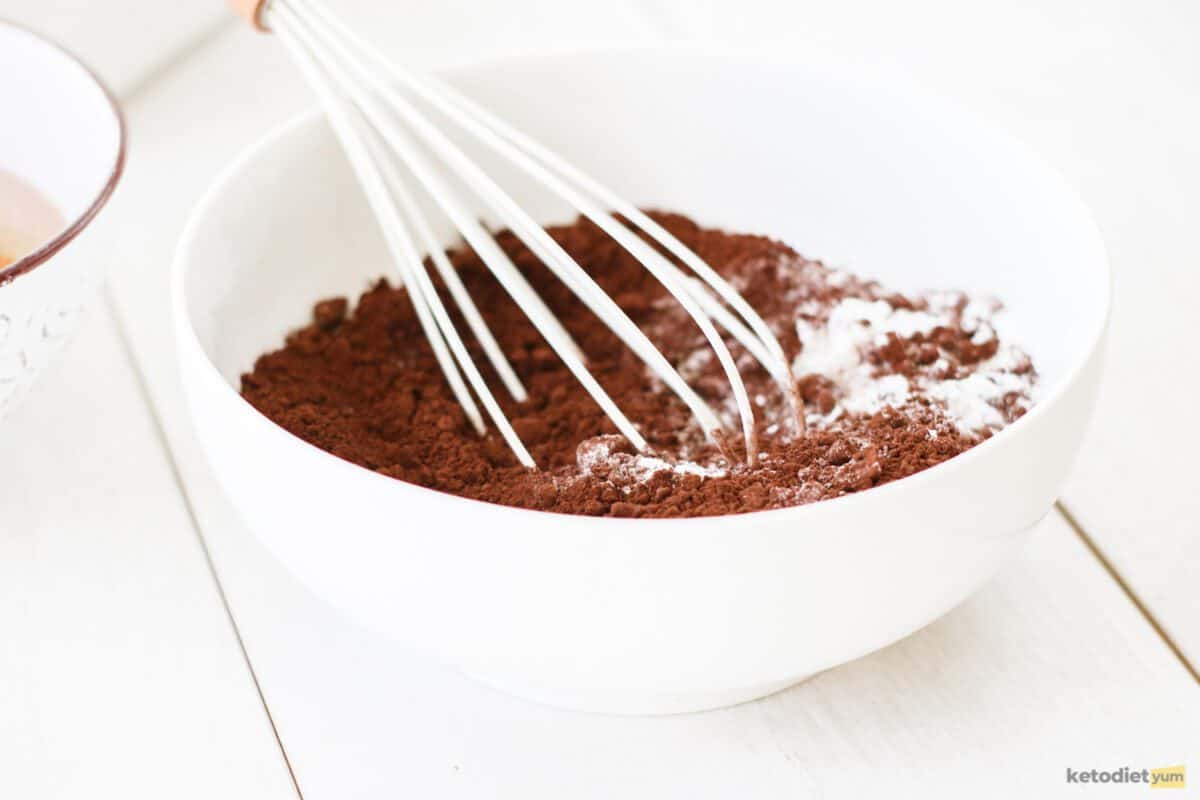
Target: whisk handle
[{"x": 251, "y": 11}]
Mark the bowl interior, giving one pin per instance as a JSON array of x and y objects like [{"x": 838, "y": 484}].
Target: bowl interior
[
  {"x": 863, "y": 173},
  {"x": 60, "y": 140}
]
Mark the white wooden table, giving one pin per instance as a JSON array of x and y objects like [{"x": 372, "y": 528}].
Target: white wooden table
[{"x": 152, "y": 649}]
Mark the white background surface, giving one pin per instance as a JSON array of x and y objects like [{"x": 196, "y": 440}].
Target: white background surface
[{"x": 122, "y": 675}]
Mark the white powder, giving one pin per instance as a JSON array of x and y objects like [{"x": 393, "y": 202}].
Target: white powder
[
  {"x": 970, "y": 402},
  {"x": 977, "y": 312},
  {"x": 869, "y": 395},
  {"x": 838, "y": 340},
  {"x": 834, "y": 349},
  {"x": 695, "y": 363},
  {"x": 838, "y": 347},
  {"x": 626, "y": 469}
]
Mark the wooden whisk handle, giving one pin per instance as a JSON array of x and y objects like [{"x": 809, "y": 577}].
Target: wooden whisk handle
[{"x": 251, "y": 11}]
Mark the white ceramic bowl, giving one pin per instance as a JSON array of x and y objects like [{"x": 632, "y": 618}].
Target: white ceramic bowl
[
  {"x": 655, "y": 616},
  {"x": 61, "y": 136}
]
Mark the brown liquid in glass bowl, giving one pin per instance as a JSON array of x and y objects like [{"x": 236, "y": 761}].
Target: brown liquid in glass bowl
[{"x": 27, "y": 218}]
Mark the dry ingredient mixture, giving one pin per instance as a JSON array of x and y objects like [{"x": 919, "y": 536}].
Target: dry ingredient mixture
[{"x": 891, "y": 385}]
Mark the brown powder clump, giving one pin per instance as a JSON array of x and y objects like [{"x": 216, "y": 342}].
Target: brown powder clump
[{"x": 363, "y": 385}]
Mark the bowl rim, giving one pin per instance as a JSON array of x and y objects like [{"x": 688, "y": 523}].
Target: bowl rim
[
  {"x": 32, "y": 260},
  {"x": 850, "y": 71}
]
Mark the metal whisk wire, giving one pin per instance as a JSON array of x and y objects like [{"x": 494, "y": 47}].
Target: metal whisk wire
[{"x": 380, "y": 129}]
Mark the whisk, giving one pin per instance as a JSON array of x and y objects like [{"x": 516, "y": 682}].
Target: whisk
[{"x": 392, "y": 145}]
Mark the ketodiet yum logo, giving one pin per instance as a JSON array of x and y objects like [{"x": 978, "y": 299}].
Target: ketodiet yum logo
[{"x": 1156, "y": 778}]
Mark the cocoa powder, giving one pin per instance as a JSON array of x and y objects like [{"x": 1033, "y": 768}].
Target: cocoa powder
[{"x": 364, "y": 386}]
